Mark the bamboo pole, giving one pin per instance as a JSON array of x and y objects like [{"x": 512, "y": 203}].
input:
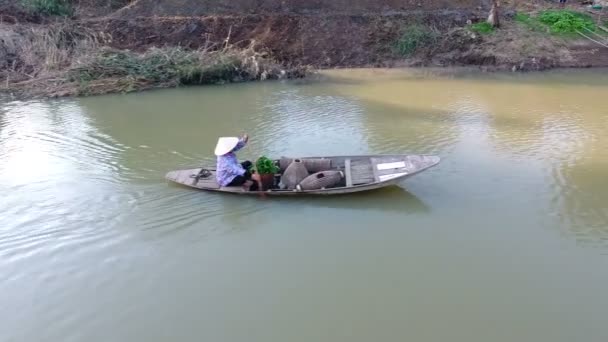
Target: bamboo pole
[{"x": 591, "y": 39}]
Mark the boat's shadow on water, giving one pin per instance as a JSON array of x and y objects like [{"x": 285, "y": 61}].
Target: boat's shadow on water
[{"x": 394, "y": 199}]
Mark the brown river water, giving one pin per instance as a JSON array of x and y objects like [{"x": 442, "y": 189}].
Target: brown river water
[{"x": 505, "y": 240}]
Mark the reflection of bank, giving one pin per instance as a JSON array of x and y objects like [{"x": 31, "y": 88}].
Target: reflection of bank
[
  {"x": 314, "y": 121},
  {"x": 578, "y": 180},
  {"x": 557, "y": 128},
  {"x": 541, "y": 133},
  {"x": 406, "y": 113},
  {"x": 170, "y": 128},
  {"x": 582, "y": 198}
]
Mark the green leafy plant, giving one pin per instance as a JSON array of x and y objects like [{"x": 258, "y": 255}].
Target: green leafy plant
[
  {"x": 482, "y": 28},
  {"x": 564, "y": 21},
  {"x": 414, "y": 37},
  {"x": 265, "y": 165},
  {"x": 49, "y": 7}
]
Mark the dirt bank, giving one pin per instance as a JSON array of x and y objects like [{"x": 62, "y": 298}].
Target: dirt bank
[
  {"x": 148, "y": 8},
  {"x": 292, "y": 35},
  {"x": 340, "y": 40},
  {"x": 320, "y": 41}
]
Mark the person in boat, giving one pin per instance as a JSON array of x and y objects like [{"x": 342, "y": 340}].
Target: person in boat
[{"x": 229, "y": 171}]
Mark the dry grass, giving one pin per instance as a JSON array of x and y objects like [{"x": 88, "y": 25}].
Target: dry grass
[
  {"x": 61, "y": 61},
  {"x": 37, "y": 51}
]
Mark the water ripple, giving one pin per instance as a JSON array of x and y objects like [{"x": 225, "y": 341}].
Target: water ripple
[{"x": 94, "y": 169}]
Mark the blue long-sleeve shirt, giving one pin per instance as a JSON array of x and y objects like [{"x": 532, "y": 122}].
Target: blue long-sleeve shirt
[{"x": 228, "y": 167}]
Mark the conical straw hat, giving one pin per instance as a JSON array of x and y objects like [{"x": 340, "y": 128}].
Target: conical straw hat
[{"x": 225, "y": 145}]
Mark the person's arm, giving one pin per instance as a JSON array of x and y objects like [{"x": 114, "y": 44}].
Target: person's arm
[{"x": 242, "y": 143}]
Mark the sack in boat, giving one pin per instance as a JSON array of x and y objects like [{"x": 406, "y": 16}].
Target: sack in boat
[
  {"x": 295, "y": 173},
  {"x": 312, "y": 165},
  {"x": 321, "y": 180}
]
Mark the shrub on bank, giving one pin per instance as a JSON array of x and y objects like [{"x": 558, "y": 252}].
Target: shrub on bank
[
  {"x": 564, "y": 21},
  {"x": 63, "y": 60},
  {"x": 413, "y": 38},
  {"x": 124, "y": 71}
]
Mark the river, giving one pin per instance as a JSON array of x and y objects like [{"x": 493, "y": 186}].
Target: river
[{"x": 505, "y": 240}]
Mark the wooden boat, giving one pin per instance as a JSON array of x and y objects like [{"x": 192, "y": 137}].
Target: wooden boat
[{"x": 361, "y": 173}]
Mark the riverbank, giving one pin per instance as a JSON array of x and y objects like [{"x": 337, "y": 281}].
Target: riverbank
[
  {"x": 59, "y": 60},
  {"x": 130, "y": 50}
]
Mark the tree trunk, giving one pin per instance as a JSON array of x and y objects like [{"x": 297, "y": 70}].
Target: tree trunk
[{"x": 493, "y": 18}]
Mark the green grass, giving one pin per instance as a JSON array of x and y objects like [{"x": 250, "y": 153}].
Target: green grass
[
  {"x": 559, "y": 22},
  {"x": 530, "y": 22},
  {"x": 523, "y": 17},
  {"x": 482, "y": 28},
  {"x": 413, "y": 38},
  {"x": 49, "y": 7}
]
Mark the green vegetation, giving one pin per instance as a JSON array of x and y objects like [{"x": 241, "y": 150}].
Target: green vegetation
[
  {"x": 557, "y": 21},
  {"x": 523, "y": 17},
  {"x": 482, "y": 28},
  {"x": 49, "y": 7},
  {"x": 413, "y": 38},
  {"x": 125, "y": 71},
  {"x": 173, "y": 65},
  {"x": 564, "y": 21},
  {"x": 265, "y": 165}
]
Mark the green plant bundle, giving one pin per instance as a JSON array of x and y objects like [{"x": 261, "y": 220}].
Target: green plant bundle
[
  {"x": 49, "y": 7},
  {"x": 563, "y": 21},
  {"x": 265, "y": 165}
]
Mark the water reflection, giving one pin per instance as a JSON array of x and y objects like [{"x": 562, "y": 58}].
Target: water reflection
[
  {"x": 541, "y": 128},
  {"x": 182, "y": 211},
  {"x": 539, "y": 135},
  {"x": 280, "y": 120},
  {"x": 60, "y": 176},
  {"x": 307, "y": 122},
  {"x": 392, "y": 199},
  {"x": 86, "y": 216}
]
